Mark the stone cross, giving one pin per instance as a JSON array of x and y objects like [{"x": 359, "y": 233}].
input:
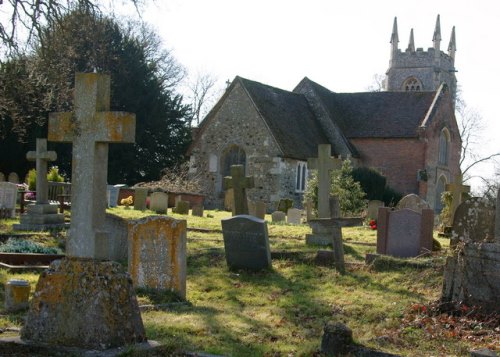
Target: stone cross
[
  {"x": 90, "y": 127},
  {"x": 239, "y": 183},
  {"x": 324, "y": 163},
  {"x": 41, "y": 156},
  {"x": 456, "y": 189}
]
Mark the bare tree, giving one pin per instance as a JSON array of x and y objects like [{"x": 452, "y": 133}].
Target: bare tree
[
  {"x": 377, "y": 84},
  {"x": 203, "y": 93}
]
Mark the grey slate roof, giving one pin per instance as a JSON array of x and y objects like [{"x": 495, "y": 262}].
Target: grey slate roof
[
  {"x": 376, "y": 114},
  {"x": 289, "y": 117}
]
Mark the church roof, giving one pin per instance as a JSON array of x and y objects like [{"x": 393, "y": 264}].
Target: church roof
[
  {"x": 289, "y": 118},
  {"x": 376, "y": 114}
]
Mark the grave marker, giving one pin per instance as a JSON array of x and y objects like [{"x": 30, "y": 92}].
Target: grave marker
[
  {"x": 197, "y": 210},
  {"x": 294, "y": 216},
  {"x": 141, "y": 194},
  {"x": 158, "y": 202},
  {"x": 457, "y": 190},
  {"x": 278, "y": 216},
  {"x": 474, "y": 220},
  {"x": 2, "y": 177},
  {"x": 324, "y": 163},
  {"x": 413, "y": 202},
  {"x": 8, "y": 198},
  {"x": 182, "y": 207},
  {"x": 42, "y": 157},
  {"x": 239, "y": 183},
  {"x": 13, "y": 178},
  {"x": 373, "y": 206}
]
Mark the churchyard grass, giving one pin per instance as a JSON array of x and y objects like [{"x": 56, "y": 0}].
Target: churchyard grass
[{"x": 281, "y": 312}]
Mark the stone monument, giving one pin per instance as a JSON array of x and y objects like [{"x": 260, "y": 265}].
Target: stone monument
[
  {"x": 239, "y": 183},
  {"x": 82, "y": 301}
]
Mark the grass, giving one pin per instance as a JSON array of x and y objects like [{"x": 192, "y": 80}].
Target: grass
[{"x": 282, "y": 311}]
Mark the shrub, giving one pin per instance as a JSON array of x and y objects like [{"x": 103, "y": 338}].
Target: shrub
[
  {"x": 25, "y": 246},
  {"x": 52, "y": 175},
  {"x": 32, "y": 180},
  {"x": 372, "y": 182},
  {"x": 391, "y": 197}
]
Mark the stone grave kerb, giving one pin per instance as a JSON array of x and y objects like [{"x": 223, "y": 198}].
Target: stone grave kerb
[
  {"x": 239, "y": 183},
  {"x": 457, "y": 189},
  {"x": 41, "y": 156},
  {"x": 324, "y": 163},
  {"x": 90, "y": 128}
]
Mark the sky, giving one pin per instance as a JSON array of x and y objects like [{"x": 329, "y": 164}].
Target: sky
[{"x": 339, "y": 44}]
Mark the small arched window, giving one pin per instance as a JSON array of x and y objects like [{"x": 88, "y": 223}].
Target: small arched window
[
  {"x": 412, "y": 85},
  {"x": 444, "y": 143},
  {"x": 232, "y": 155}
]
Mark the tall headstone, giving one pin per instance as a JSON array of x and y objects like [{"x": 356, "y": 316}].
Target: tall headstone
[
  {"x": 457, "y": 190},
  {"x": 246, "y": 243},
  {"x": 8, "y": 198},
  {"x": 474, "y": 221},
  {"x": 158, "y": 202},
  {"x": 404, "y": 233},
  {"x": 324, "y": 163},
  {"x": 42, "y": 215},
  {"x": 13, "y": 178},
  {"x": 82, "y": 301},
  {"x": 239, "y": 183},
  {"x": 141, "y": 194},
  {"x": 157, "y": 253}
]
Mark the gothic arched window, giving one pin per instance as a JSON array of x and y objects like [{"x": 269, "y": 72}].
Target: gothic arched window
[
  {"x": 412, "y": 85},
  {"x": 232, "y": 155},
  {"x": 444, "y": 143}
]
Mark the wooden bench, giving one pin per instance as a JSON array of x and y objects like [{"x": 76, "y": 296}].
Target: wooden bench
[{"x": 60, "y": 193}]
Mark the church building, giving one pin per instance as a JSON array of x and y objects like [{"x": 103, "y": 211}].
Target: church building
[{"x": 408, "y": 132}]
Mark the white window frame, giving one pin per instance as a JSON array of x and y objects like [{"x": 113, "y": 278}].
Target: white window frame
[{"x": 301, "y": 173}]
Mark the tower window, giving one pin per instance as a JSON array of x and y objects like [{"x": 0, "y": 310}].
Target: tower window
[{"x": 412, "y": 85}]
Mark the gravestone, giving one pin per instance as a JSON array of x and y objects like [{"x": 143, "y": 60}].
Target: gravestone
[
  {"x": 181, "y": 207},
  {"x": 324, "y": 164},
  {"x": 239, "y": 183},
  {"x": 309, "y": 205},
  {"x": 325, "y": 235},
  {"x": 42, "y": 215},
  {"x": 404, "y": 233},
  {"x": 13, "y": 177},
  {"x": 157, "y": 253},
  {"x": 197, "y": 210},
  {"x": 8, "y": 198},
  {"x": 413, "y": 202},
  {"x": 251, "y": 208},
  {"x": 229, "y": 200},
  {"x": 373, "y": 206},
  {"x": 141, "y": 194},
  {"x": 260, "y": 209},
  {"x": 2, "y": 177},
  {"x": 278, "y": 216},
  {"x": 285, "y": 204},
  {"x": 294, "y": 216},
  {"x": 474, "y": 220},
  {"x": 246, "y": 243},
  {"x": 118, "y": 237},
  {"x": 82, "y": 301},
  {"x": 158, "y": 202},
  {"x": 112, "y": 195},
  {"x": 457, "y": 190}
]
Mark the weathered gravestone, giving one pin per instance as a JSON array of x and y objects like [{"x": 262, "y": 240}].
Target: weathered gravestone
[
  {"x": 239, "y": 183},
  {"x": 457, "y": 190},
  {"x": 141, "y": 194},
  {"x": 413, "y": 202},
  {"x": 82, "y": 301},
  {"x": 157, "y": 253},
  {"x": 373, "y": 206},
  {"x": 181, "y": 207},
  {"x": 118, "y": 237},
  {"x": 474, "y": 220},
  {"x": 472, "y": 273},
  {"x": 197, "y": 210},
  {"x": 257, "y": 209},
  {"x": 42, "y": 215},
  {"x": 158, "y": 202},
  {"x": 324, "y": 164},
  {"x": 8, "y": 198},
  {"x": 2, "y": 177},
  {"x": 112, "y": 192},
  {"x": 278, "y": 216},
  {"x": 229, "y": 200},
  {"x": 404, "y": 233},
  {"x": 321, "y": 234},
  {"x": 294, "y": 216},
  {"x": 13, "y": 177},
  {"x": 246, "y": 243}
]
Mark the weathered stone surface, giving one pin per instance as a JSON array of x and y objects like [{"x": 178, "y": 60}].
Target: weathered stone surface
[
  {"x": 8, "y": 197},
  {"x": 239, "y": 183},
  {"x": 17, "y": 293},
  {"x": 141, "y": 194},
  {"x": 158, "y": 202},
  {"x": 404, "y": 233},
  {"x": 294, "y": 216},
  {"x": 472, "y": 276},
  {"x": 246, "y": 243},
  {"x": 474, "y": 221},
  {"x": 112, "y": 193},
  {"x": 182, "y": 207},
  {"x": 157, "y": 253},
  {"x": 84, "y": 303},
  {"x": 118, "y": 237},
  {"x": 322, "y": 234},
  {"x": 413, "y": 202},
  {"x": 278, "y": 216},
  {"x": 197, "y": 210}
]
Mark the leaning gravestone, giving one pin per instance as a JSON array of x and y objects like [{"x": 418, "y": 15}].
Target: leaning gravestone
[
  {"x": 474, "y": 220},
  {"x": 158, "y": 202},
  {"x": 13, "y": 178},
  {"x": 8, "y": 198},
  {"x": 141, "y": 194},
  {"x": 294, "y": 216},
  {"x": 404, "y": 233},
  {"x": 42, "y": 215},
  {"x": 413, "y": 202},
  {"x": 239, "y": 183},
  {"x": 246, "y": 243},
  {"x": 278, "y": 216},
  {"x": 83, "y": 301},
  {"x": 157, "y": 253}
]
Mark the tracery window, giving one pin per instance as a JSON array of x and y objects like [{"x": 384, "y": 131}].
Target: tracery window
[{"x": 412, "y": 85}]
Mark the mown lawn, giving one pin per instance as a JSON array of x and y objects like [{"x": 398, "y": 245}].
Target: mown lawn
[{"x": 281, "y": 312}]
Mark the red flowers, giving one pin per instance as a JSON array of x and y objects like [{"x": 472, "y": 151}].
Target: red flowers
[{"x": 373, "y": 224}]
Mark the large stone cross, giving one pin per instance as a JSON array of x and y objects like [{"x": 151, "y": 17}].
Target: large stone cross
[
  {"x": 456, "y": 189},
  {"x": 90, "y": 127},
  {"x": 42, "y": 157},
  {"x": 239, "y": 183},
  {"x": 324, "y": 163}
]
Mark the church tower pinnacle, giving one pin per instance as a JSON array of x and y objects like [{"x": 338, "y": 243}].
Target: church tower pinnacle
[{"x": 417, "y": 70}]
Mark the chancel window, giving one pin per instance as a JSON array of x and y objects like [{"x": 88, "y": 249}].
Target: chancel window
[
  {"x": 412, "y": 85},
  {"x": 444, "y": 143},
  {"x": 301, "y": 176}
]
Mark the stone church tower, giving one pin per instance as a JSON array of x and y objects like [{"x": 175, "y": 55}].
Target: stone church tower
[{"x": 419, "y": 70}]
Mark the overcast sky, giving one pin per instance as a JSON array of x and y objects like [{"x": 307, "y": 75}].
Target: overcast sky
[{"x": 339, "y": 44}]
